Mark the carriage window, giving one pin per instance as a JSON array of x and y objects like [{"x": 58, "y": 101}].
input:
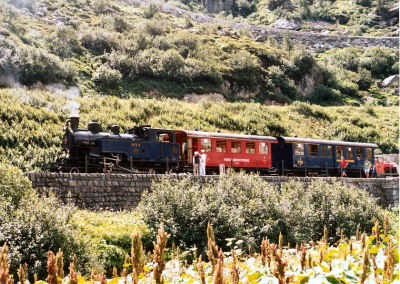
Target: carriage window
[
  {"x": 312, "y": 150},
  {"x": 350, "y": 153},
  {"x": 360, "y": 152},
  {"x": 339, "y": 151},
  {"x": 299, "y": 149},
  {"x": 221, "y": 146},
  {"x": 236, "y": 147},
  {"x": 206, "y": 145},
  {"x": 368, "y": 152},
  {"x": 250, "y": 148},
  {"x": 326, "y": 150},
  {"x": 263, "y": 148}
]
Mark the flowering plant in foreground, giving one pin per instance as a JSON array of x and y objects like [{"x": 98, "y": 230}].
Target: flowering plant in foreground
[{"x": 361, "y": 259}]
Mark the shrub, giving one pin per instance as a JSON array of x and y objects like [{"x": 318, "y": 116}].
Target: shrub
[
  {"x": 32, "y": 225},
  {"x": 197, "y": 70},
  {"x": 119, "y": 61},
  {"x": 172, "y": 63},
  {"x": 247, "y": 208},
  {"x": 364, "y": 3},
  {"x": 120, "y": 24},
  {"x": 107, "y": 77},
  {"x": 245, "y": 67},
  {"x": 150, "y": 11},
  {"x": 279, "y": 79},
  {"x": 364, "y": 79},
  {"x": 323, "y": 94},
  {"x": 185, "y": 43},
  {"x": 303, "y": 61},
  {"x": 100, "y": 40},
  {"x": 30, "y": 64},
  {"x": 64, "y": 42},
  {"x": 154, "y": 28},
  {"x": 380, "y": 61},
  {"x": 99, "y": 6}
]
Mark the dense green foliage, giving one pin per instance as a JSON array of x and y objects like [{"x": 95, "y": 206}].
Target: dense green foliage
[
  {"x": 247, "y": 208},
  {"x": 110, "y": 232},
  {"x": 115, "y": 48},
  {"x": 32, "y": 225},
  {"x": 33, "y": 121}
]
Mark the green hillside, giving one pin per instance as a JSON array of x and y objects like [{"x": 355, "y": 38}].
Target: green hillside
[
  {"x": 115, "y": 48},
  {"x": 32, "y": 121}
]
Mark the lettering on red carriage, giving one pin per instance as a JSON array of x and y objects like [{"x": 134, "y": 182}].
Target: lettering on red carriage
[{"x": 236, "y": 160}]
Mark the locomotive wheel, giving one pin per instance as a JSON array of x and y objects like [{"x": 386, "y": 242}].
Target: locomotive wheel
[{"x": 74, "y": 171}]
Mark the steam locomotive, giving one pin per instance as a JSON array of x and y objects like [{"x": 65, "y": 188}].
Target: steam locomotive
[
  {"x": 153, "y": 150},
  {"x": 140, "y": 149}
]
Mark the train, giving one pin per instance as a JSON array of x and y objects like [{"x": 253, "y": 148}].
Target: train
[{"x": 144, "y": 149}]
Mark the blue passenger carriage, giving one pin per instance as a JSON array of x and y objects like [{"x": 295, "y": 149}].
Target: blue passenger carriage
[{"x": 320, "y": 157}]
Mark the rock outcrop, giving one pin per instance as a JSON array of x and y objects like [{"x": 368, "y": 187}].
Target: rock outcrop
[
  {"x": 197, "y": 98},
  {"x": 285, "y": 24},
  {"x": 307, "y": 84},
  {"x": 391, "y": 82}
]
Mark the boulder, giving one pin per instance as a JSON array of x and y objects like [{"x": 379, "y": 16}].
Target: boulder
[
  {"x": 285, "y": 24},
  {"x": 391, "y": 81},
  {"x": 197, "y": 98}
]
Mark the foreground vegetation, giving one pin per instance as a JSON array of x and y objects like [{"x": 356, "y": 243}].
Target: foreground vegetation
[
  {"x": 360, "y": 259},
  {"x": 32, "y": 224},
  {"x": 32, "y": 121}
]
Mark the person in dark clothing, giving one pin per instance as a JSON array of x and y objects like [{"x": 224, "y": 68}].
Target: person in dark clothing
[{"x": 196, "y": 163}]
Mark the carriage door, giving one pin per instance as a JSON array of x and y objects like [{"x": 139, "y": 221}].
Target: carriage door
[{"x": 189, "y": 150}]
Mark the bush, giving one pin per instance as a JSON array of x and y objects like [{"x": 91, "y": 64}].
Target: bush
[
  {"x": 364, "y": 3},
  {"x": 247, "y": 208},
  {"x": 107, "y": 77},
  {"x": 245, "y": 67},
  {"x": 119, "y": 61},
  {"x": 150, "y": 11},
  {"x": 99, "y": 6},
  {"x": 30, "y": 64},
  {"x": 100, "y": 40},
  {"x": 172, "y": 63},
  {"x": 364, "y": 79},
  {"x": 323, "y": 94},
  {"x": 155, "y": 28},
  {"x": 64, "y": 42},
  {"x": 32, "y": 225},
  {"x": 303, "y": 61}
]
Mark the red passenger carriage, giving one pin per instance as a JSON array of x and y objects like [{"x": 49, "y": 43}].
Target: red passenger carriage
[{"x": 230, "y": 150}]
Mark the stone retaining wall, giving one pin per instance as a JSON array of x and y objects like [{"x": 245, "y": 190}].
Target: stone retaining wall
[{"x": 123, "y": 191}]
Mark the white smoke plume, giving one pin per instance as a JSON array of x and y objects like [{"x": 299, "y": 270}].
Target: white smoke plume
[
  {"x": 10, "y": 82},
  {"x": 71, "y": 94}
]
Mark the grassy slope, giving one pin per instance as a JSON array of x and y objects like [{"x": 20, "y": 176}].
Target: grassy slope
[
  {"x": 212, "y": 55},
  {"x": 33, "y": 120}
]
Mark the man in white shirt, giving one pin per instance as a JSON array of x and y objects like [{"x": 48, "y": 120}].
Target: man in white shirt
[{"x": 203, "y": 158}]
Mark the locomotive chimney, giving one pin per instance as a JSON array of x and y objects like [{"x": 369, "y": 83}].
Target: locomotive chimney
[
  {"x": 74, "y": 123},
  {"x": 115, "y": 129}
]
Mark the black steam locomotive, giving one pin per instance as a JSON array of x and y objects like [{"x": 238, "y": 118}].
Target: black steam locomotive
[{"x": 140, "y": 149}]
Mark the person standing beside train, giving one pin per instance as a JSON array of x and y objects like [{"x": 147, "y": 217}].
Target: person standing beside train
[
  {"x": 367, "y": 167},
  {"x": 343, "y": 166},
  {"x": 203, "y": 158},
  {"x": 196, "y": 163}
]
